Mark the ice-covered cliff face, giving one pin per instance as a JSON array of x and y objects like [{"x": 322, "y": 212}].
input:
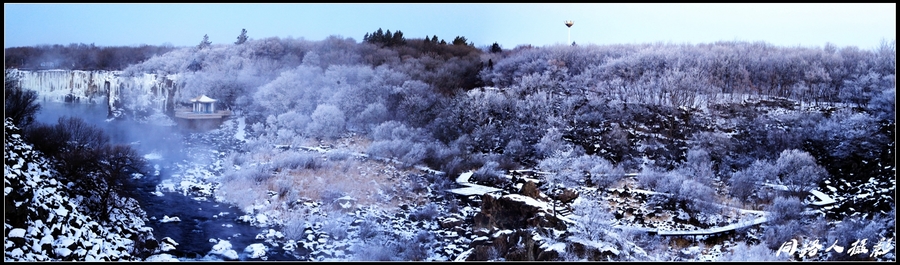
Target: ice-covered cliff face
[{"x": 146, "y": 92}]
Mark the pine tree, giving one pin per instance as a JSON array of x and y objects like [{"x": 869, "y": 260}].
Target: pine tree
[
  {"x": 459, "y": 40},
  {"x": 242, "y": 38},
  {"x": 377, "y": 37},
  {"x": 398, "y": 38},
  {"x": 205, "y": 43},
  {"x": 495, "y": 48},
  {"x": 388, "y": 36}
]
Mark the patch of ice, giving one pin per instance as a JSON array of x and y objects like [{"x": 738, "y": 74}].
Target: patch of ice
[
  {"x": 241, "y": 135},
  {"x": 167, "y": 219}
]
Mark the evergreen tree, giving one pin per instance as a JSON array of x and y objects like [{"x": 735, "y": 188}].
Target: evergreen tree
[
  {"x": 434, "y": 39},
  {"x": 377, "y": 37},
  {"x": 459, "y": 40},
  {"x": 242, "y": 38},
  {"x": 205, "y": 43},
  {"x": 495, "y": 48},
  {"x": 388, "y": 36},
  {"x": 398, "y": 38}
]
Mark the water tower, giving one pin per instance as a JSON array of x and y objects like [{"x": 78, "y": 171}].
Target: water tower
[{"x": 569, "y": 24}]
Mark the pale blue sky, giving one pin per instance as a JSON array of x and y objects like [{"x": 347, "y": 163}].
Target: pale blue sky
[{"x": 510, "y": 25}]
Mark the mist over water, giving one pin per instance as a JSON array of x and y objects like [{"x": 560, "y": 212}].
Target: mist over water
[
  {"x": 201, "y": 220},
  {"x": 145, "y": 137}
]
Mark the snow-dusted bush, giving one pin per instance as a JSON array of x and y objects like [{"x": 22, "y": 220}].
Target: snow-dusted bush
[
  {"x": 798, "y": 171},
  {"x": 336, "y": 227},
  {"x": 848, "y": 133},
  {"x": 294, "y": 228},
  {"x": 379, "y": 247},
  {"x": 417, "y": 152},
  {"x": 296, "y": 160},
  {"x": 649, "y": 178},
  {"x": 745, "y": 183},
  {"x": 331, "y": 195},
  {"x": 776, "y": 235},
  {"x": 374, "y": 114},
  {"x": 550, "y": 143},
  {"x": 602, "y": 172},
  {"x": 327, "y": 122},
  {"x": 489, "y": 173},
  {"x": 680, "y": 191},
  {"x": 699, "y": 165},
  {"x": 339, "y": 155},
  {"x": 884, "y": 105},
  {"x": 390, "y": 148},
  {"x": 284, "y": 187},
  {"x": 857, "y": 230},
  {"x": 251, "y": 173},
  {"x": 426, "y": 212},
  {"x": 417, "y": 246},
  {"x": 294, "y": 121},
  {"x": 784, "y": 209},
  {"x": 369, "y": 228}
]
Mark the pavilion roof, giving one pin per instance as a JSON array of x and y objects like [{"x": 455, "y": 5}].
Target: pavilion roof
[{"x": 203, "y": 99}]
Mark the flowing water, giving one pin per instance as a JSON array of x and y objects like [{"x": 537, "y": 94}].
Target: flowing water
[{"x": 200, "y": 220}]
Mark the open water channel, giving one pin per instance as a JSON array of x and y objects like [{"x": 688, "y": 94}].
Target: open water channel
[{"x": 200, "y": 220}]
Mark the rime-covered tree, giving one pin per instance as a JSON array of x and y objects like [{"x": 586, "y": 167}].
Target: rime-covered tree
[
  {"x": 327, "y": 122},
  {"x": 784, "y": 221},
  {"x": 798, "y": 171},
  {"x": 745, "y": 183}
]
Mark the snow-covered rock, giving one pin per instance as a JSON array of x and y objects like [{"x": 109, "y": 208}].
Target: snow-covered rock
[
  {"x": 256, "y": 251},
  {"x": 52, "y": 226},
  {"x": 223, "y": 248},
  {"x": 167, "y": 219}
]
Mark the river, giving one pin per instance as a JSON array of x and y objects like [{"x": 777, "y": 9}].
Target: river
[{"x": 201, "y": 220}]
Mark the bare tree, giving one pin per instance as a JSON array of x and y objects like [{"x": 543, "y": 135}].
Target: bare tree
[{"x": 20, "y": 104}]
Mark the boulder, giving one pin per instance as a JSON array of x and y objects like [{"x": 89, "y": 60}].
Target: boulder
[
  {"x": 450, "y": 222},
  {"x": 567, "y": 195}
]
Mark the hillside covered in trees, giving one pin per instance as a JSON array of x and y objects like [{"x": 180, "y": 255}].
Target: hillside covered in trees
[
  {"x": 705, "y": 128},
  {"x": 79, "y": 56}
]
